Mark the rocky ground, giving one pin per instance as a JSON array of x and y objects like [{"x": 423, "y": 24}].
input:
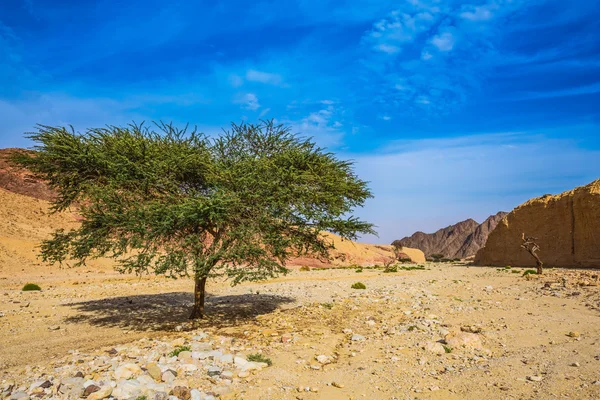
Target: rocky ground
[{"x": 445, "y": 332}]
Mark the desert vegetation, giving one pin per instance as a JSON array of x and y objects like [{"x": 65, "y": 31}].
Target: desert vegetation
[{"x": 175, "y": 202}]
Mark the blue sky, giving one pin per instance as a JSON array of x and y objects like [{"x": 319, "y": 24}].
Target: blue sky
[{"x": 451, "y": 109}]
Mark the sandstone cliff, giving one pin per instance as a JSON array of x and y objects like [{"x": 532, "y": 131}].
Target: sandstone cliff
[{"x": 567, "y": 228}]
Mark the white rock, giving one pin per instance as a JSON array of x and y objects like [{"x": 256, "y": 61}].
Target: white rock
[
  {"x": 226, "y": 358},
  {"x": 103, "y": 393},
  {"x": 196, "y": 394},
  {"x": 357, "y": 338},
  {"x": 127, "y": 371},
  {"x": 127, "y": 388},
  {"x": 323, "y": 359},
  {"x": 434, "y": 347},
  {"x": 240, "y": 361},
  {"x": 189, "y": 367}
]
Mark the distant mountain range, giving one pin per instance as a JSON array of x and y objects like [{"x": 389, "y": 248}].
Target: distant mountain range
[{"x": 460, "y": 240}]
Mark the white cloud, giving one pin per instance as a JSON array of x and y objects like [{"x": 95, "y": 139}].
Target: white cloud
[
  {"x": 253, "y": 75},
  {"x": 479, "y": 13},
  {"x": 264, "y": 112},
  {"x": 321, "y": 125},
  {"x": 249, "y": 101},
  {"x": 387, "y": 48},
  {"x": 426, "y": 55},
  {"x": 386, "y": 117},
  {"x": 390, "y": 34},
  {"x": 444, "y": 41}
]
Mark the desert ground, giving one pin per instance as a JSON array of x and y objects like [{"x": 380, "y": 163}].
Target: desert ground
[{"x": 449, "y": 331}]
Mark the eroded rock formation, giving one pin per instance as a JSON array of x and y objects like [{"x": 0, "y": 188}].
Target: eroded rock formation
[{"x": 566, "y": 227}]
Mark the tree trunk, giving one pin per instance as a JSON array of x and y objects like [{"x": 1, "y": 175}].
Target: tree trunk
[
  {"x": 199, "y": 292},
  {"x": 539, "y": 265}
]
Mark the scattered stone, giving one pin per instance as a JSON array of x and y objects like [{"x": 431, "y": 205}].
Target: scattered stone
[
  {"x": 90, "y": 389},
  {"x": 357, "y": 338},
  {"x": 337, "y": 385},
  {"x": 575, "y": 364},
  {"x": 463, "y": 339},
  {"x": 126, "y": 389},
  {"x": 286, "y": 338},
  {"x": 127, "y": 371},
  {"x": 54, "y": 327},
  {"x": 169, "y": 376},
  {"x": 471, "y": 328},
  {"x": 154, "y": 371},
  {"x": 103, "y": 393},
  {"x": 19, "y": 396},
  {"x": 573, "y": 334},
  {"x": 434, "y": 347},
  {"x": 181, "y": 392},
  {"x": 323, "y": 359},
  {"x": 535, "y": 378},
  {"x": 227, "y": 358}
]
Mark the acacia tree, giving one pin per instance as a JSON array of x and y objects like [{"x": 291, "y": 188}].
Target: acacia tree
[
  {"x": 532, "y": 248},
  {"x": 178, "y": 203}
]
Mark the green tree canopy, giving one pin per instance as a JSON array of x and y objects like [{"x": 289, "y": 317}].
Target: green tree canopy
[{"x": 176, "y": 202}]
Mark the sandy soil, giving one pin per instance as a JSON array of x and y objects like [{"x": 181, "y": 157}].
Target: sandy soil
[
  {"x": 524, "y": 326},
  {"x": 533, "y": 338}
]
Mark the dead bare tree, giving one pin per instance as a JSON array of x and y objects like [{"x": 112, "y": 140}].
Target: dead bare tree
[{"x": 532, "y": 247}]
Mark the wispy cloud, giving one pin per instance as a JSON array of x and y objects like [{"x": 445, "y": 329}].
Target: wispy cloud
[
  {"x": 324, "y": 125},
  {"x": 264, "y": 77},
  {"x": 248, "y": 101},
  {"x": 444, "y": 41},
  {"x": 478, "y": 13},
  {"x": 390, "y": 34}
]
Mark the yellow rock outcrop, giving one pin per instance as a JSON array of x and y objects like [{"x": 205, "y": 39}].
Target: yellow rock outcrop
[{"x": 567, "y": 228}]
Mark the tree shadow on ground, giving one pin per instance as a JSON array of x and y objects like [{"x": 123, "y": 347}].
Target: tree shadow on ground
[{"x": 165, "y": 311}]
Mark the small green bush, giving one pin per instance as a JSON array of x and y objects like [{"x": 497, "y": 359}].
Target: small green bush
[
  {"x": 141, "y": 398},
  {"x": 515, "y": 271},
  {"x": 358, "y": 285},
  {"x": 30, "y": 286},
  {"x": 390, "y": 268},
  {"x": 447, "y": 349},
  {"x": 358, "y": 270},
  {"x": 413, "y": 268},
  {"x": 260, "y": 358},
  {"x": 305, "y": 268},
  {"x": 179, "y": 349},
  {"x": 530, "y": 272},
  {"x": 327, "y": 305}
]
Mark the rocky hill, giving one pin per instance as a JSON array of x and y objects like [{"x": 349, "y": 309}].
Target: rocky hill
[
  {"x": 460, "y": 240},
  {"x": 567, "y": 228},
  {"x": 477, "y": 239},
  {"x": 19, "y": 181}
]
